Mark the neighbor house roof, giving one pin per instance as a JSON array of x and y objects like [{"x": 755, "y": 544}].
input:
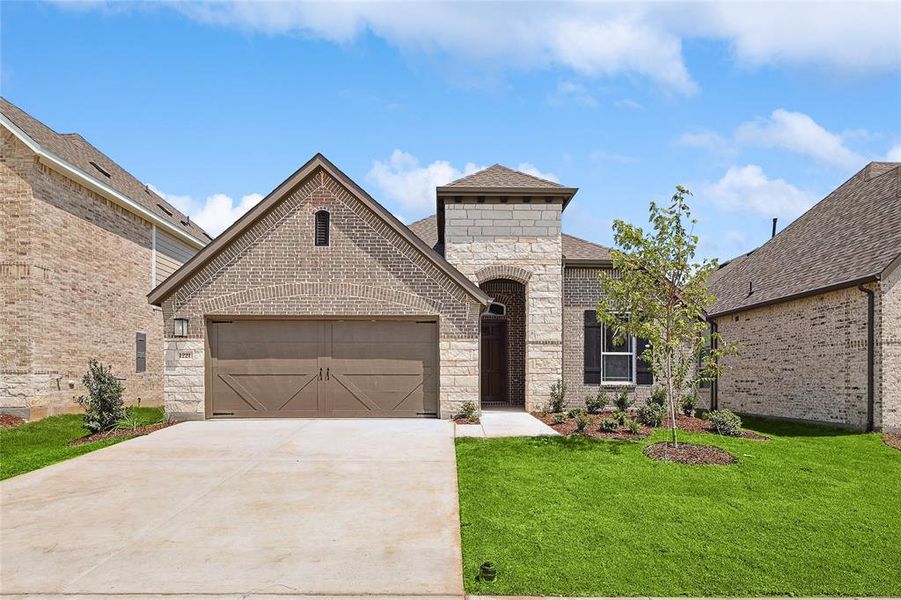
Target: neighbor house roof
[
  {"x": 75, "y": 155},
  {"x": 848, "y": 238},
  {"x": 575, "y": 250},
  {"x": 166, "y": 288}
]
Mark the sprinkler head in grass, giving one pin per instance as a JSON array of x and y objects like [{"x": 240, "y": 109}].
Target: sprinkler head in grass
[{"x": 488, "y": 572}]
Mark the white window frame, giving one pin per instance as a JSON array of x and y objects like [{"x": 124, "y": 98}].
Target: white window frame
[{"x": 631, "y": 353}]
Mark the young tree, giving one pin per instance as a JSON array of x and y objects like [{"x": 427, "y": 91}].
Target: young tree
[
  {"x": 659, "y": 292},
  {"x": 103, "y": 405}
]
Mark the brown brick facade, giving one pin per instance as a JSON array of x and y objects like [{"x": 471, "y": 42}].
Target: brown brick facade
[
  {"x": 75, "y": 272},
  {"x": 273, "y": 268}
]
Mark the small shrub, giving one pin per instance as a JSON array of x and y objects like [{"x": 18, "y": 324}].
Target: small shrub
[
  {"x": 623, "y": 401},
  {"x": 651, "y": 414},
  {"x": 468, "y": 410},
  {"x": 633, "y": 426},
  {"x": 609, "y": 424},
  {"x": 574, "y": 412},
  {"x": 582, "y": 422},
  {"x": 596, "y": 404},
  {"x": 658, "y": 397},
  {"x": 103, "y": 406},
  {"x": 559, "y": 418},
  {"x": 558, "y": 397},
  {"x": 620, "y": 416},
  {"x": 688, "y": 404},
  {"x": 725, "y": 422}
]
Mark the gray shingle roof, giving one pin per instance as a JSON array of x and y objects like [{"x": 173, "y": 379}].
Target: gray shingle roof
[
  {"x": 499, "y": 176},
  {"x": 851, "y": 235},
  {"x": 574, "y": 249},
  {"x": 75, "y": 150}
]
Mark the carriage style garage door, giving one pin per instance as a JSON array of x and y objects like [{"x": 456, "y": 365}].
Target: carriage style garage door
[{"x": 279, "y": 368}]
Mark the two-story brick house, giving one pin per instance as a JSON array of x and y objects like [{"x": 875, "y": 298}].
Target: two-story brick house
[
  {"x": 319, "y": 302},
  {"x": 81, "y": 244}
]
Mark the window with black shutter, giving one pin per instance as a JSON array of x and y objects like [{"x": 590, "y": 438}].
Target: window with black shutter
[
  {"x": 594, "y": 336},
  {"x": 322, "y": 232},
  {"x": 643, "y": 373},
  {"x": 140, "y": 352}
]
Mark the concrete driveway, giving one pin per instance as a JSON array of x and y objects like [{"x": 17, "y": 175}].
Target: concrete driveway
[{"x": 236, "y": 508}]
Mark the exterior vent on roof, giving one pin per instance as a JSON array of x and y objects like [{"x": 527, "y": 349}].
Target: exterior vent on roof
[
  {"x": 164, "y": 209},
  {"x": 101, "y": 169}
]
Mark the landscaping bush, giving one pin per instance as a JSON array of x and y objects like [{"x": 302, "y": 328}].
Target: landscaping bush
[
  {"x": 620, "y": 416},
  {"x": 725, "y": 422},
  {"x": 558, "y": 397},
  {"x": 582, "y": 422},
  {"x": 658, "y": 397},
  {"x": 468, "y": 410},
  {"x": 103, "y": 406},
  {"x": 688, "y": 404},
  {"x": 623, "y": 401},
  {"x": 651, "y": 414},
  {"x": 574, "y": 412},
  {"x": 595, "y": 404},
  {"x": 609, "y": 424},
  {"x": 559, "y": 418},
  {"x": 633, "y": 426}
]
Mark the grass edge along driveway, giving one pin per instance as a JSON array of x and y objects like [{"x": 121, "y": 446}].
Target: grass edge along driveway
[
  {"x": 41, "y": 443},
  {"x": 812, "y": 511}
]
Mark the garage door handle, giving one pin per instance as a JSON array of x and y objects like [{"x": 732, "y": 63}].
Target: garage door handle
[
  {"x": 326, "y": 373},
  {"x": 320, "y": 373}
]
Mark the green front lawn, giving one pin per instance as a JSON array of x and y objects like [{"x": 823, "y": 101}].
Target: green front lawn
[
  {"x": 813, "y": 511},
  {"x": 41, "y": 443}
]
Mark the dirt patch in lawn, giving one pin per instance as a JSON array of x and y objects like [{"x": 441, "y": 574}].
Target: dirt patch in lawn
[
  {"x": 568, "y": 427},
  {"x": 689, "y": 454},
  {"x": 119, "y": 433},
  {"x": 10, "y": 421},
  {"x": 893, "y": 440}
]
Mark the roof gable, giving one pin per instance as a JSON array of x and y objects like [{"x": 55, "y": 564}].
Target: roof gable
[
  {"x": 78, "y": 153},
  {"x": 499, "y": 176},
  {"x": 851, "y": 236},
  {"x": 285, "y": 189}
]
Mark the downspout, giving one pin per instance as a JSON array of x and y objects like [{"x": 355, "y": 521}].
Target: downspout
[{"x": 871, "y": 350}]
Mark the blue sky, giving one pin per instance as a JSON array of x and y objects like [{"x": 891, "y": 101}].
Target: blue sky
[{"x": 760, "y": 109}]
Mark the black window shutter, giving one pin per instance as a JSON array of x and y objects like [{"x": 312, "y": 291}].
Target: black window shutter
[
  {"x": 643, "y": 373},
  {"x": 322, "y": 226},
  {"x": 140, "y": 352},
  {"x": 594, "y": 333}
]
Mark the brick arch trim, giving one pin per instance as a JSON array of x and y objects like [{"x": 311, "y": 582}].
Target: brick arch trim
[
  {"x": 511, "y": 272},
  {"x": 317, "y": 290}
]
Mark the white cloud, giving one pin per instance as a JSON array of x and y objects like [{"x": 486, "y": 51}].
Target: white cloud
[
  {"x": 568, "y": 91},
  {"x": 711, "y": 141},
  {"x": 799, "y": 133},
  {"x": 215, "y": 213},
  {"x": 402, "y": 180},
  {"x": 592, "y": 39},
  {"x": 628, "y": 103},
  {"x": 894, "y": 154},
  {"x": 747, "y": 189}
]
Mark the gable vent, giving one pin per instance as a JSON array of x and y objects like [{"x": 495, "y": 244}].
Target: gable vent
[
  {"x": 322, "y": 228},
  {"x": 101, "y": 169}
]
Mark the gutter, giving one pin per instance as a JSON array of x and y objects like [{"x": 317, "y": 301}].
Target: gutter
[
  {"x": 56, "y": 163},
  {"x": 871, "y": 352}
]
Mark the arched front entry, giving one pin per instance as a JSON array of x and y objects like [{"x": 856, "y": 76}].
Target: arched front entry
[{"x": 503, "y": 347}]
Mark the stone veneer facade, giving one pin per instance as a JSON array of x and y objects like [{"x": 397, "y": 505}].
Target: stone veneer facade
[
  {"x": 521, "y": 242},
  {"x": 274, "y": 269},
  {"x": 74, "y": 273},
  {"x": 806, "y": 358}
]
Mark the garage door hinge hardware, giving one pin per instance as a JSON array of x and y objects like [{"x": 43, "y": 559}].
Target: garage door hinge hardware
[
  {"x": 320, "y": 373},
  {"x": 427, "y": 414},
  {"x": 221, "y": 321},
  {"x": 222, "y": 414}
]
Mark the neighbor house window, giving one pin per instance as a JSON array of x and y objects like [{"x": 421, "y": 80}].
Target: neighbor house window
[
  {"x": 610, "y": 361},
  {"x": 322, "y": 232},
  {"x": 140, "y": 352}
]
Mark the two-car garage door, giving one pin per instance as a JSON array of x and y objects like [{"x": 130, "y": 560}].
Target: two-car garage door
[{"x": 282, "y": 368}]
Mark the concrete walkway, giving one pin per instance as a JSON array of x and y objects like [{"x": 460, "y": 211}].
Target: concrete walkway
[
  {"x": 505, "y": 423},
  {"x": 242, "y": 509}
]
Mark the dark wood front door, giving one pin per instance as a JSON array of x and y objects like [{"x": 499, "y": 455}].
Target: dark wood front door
[{"x": 494, "y": 363}]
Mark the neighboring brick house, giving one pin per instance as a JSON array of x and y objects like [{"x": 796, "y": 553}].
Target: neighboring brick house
[
  {"x": 319, "y": 302},
  {"x": 817, "y": 312},
  {"x": 81, "y": 244}
]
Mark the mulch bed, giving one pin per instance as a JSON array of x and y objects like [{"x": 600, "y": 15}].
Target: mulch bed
[
  {"x": 893, "y": 440},
  {"x": 696, "y": 425},
  {"x": 689, "y": 454},
  {"x": 465, "y": 421},
  {"x": 118, "y": 433},
  {"x": 568, "y": 427},
  {"x": 10, "y": 421}
]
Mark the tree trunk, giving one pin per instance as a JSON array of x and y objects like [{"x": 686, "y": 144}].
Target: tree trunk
[{"x": 670, "y": 393}]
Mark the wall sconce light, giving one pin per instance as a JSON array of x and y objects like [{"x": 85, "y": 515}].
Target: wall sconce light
[{"x": 181, "y": 328}]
